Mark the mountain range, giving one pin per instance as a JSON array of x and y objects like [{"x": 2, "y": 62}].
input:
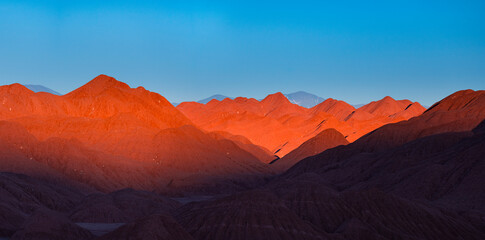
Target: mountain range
[
  {"x": 217, "y": 97},
  {"x": 108, "y": 161},
  {"x": 300, "y": 98},
  {"x": 280, "y": 126}
]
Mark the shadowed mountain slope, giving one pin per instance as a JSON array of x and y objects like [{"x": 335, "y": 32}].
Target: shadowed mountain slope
[
  {"x": 153, "y": 227},
  {"x": 326, "y": 139},
  {"x": 21, "y": 196},
  {"x": 434, "y": 157},
  {"x": 248, "y": 215},
  {"x": 371, "y": 214},
  {"x": 46, "y": 224}
]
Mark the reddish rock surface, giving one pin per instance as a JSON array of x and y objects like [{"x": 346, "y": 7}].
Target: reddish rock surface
[
  {"x": 280, "y": 126},
  {"x": 263, "y": 154},
  {"x": 340, "y": 109},
  {"x": 108, "y": 135},
  {"x": 461, "y": 111}
]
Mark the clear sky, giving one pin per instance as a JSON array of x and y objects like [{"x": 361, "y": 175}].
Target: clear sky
[{"x": 356, "y": 51}]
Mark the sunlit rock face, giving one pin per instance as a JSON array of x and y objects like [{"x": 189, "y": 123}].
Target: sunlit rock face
[
  {"x": 111, "y": 136},
  {"x": 281, "y": 126}
]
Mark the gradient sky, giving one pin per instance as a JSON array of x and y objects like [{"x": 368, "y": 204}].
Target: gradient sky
[{"x": 356, "y": 51}]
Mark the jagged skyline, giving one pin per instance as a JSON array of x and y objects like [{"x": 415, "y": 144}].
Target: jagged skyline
[{"x": 192, "y": 50}]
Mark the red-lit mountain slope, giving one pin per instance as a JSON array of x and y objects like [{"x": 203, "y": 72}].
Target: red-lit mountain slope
[
  {"x": 280, "y": 126},
  {"x": 109, "y": 135}
]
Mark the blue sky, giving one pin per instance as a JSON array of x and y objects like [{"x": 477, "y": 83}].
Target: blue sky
[{"x": 356, "y": 51}]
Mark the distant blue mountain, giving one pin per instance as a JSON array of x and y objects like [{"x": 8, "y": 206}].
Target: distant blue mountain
[
  {"x": 40, "y": 88},
  {"x": 357, "y": 105},
  {"x": 301, "y": 98},
  {"x": 206, "y": 100},
  {"x": 304, "y": 99},
  {"x": 217, "y": 96}
]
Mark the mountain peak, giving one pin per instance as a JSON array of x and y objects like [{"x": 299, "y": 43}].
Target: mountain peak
[
  {"x": 338, "y": 108},
  {"x": 212, "y": 101},
  {"x": 460, "y": 100},
  {"x": 104, "y": 81},
  {"x": 304, "y": 99},
  {"x": 40, "y": 88},
  {"x": 218, "y": 97},
  {"x": 100, "y": 84},
  {"x": 15, "y": 88},
  {"x": 331, "y": 103},
  {"x": 275, "y": 98},
  {"x": 387, "y": 99},
  {"x": 386, "y": 106}
]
